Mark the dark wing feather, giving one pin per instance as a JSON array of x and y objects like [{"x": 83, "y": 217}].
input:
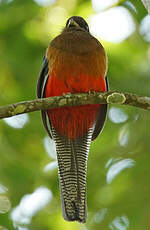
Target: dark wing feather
[
  {"x": 40, "y": 91},
  {"x": 42, "y": 77},
  {"x": 101, "y": 117}
]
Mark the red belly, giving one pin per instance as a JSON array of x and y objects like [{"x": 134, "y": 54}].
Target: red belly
[{"x": 73, "y": 122}]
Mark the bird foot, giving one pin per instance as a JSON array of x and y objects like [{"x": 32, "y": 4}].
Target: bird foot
[
  {"x": 66, "y": 94},
  {"x": 91, "y": 92}
]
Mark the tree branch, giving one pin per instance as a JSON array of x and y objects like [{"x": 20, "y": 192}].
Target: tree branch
[{"x": 74, "y": 100}]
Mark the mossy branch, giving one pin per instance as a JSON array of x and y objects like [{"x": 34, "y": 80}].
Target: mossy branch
[{"x": 74, "y": 100}]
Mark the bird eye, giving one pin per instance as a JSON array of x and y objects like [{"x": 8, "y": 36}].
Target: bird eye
[
  {"x": 86, "y": 27},
  {"x": 69, "y": 23}
]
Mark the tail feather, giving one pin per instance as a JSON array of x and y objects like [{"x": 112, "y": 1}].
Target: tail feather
[{"x": 72, "y": 164}]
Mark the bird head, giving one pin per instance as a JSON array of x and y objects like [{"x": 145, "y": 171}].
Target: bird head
[{"x": 77, "y": 22}]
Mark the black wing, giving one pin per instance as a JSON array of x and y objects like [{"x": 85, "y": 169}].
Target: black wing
[
  {"x": 40, "y": 91},
  {"x": 101, "y": 117},
  {"x": 42, "y": 78}
]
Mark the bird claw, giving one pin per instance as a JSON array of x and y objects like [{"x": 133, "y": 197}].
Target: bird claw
[
  {"x": 66, "y": 94},
  {"x": 91, "y": 92}
]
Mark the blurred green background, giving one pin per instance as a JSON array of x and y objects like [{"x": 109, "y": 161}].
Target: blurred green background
[{"x": 118, "y": 180}]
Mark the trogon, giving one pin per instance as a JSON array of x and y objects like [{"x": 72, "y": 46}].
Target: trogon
[{"x": 75, "y": 62}]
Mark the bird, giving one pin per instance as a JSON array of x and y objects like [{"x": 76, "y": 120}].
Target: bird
[{"x": 74, "y": 62}]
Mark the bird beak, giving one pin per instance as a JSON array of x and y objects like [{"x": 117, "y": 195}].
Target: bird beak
[{"x": 73, "y": 23}]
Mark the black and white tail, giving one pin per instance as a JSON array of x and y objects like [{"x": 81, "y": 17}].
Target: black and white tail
[{"x": 72, "y": 166}]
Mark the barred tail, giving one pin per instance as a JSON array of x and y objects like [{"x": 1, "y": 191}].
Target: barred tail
[{"x": 72, "y": 163}]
